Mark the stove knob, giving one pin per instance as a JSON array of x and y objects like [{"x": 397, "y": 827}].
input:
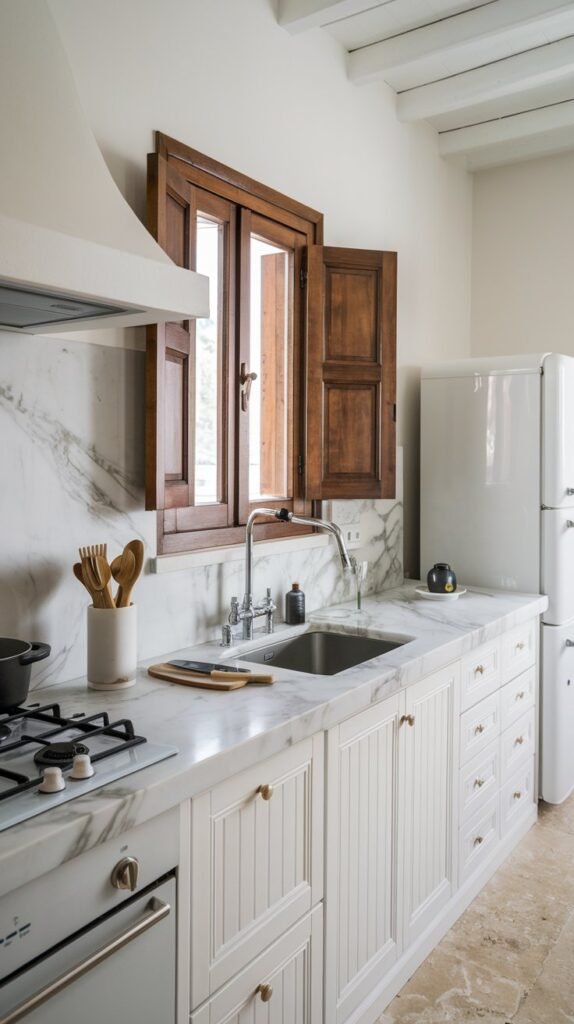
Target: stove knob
[
  {"x": 82, "y": 767},
  {"x": 125, "y": 874},
  {"x": 53, "y": 781}
]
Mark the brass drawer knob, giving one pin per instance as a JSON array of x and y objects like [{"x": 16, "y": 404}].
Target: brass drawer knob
[
  {"x": 125, "y": 874},
  {"x": 479, "y": 728},
  {"x": 520, "y": 695},
  {"x": 478, "y": 840},
  {"x": 520, "y": 645},
  {"x": 478, "y": 783},
  {"x": 519, "y": 741},
  {"x": 265, "y": 791},
  {"x": 264, "y": 992},
  {"x": 517, "y": 795},
  {"x": 481, "y": 669},
  {"x": 410, "y": 719}
]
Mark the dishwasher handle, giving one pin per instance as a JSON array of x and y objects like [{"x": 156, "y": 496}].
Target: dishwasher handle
[{"x": 157, "y": 910}]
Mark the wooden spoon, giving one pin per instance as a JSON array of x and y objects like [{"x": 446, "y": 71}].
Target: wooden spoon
[
  {"x": 79, "y": 574},
  {"x": 98, "y": 575},
  {"x": 137, "y": 549},
  {"x": 123, "y": 571}
]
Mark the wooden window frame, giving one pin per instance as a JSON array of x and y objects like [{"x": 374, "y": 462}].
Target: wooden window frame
[{"x": 180, "y": 527}]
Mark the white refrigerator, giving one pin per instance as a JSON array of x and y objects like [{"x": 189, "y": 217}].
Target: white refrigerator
[{"x": 497, "y": 503}]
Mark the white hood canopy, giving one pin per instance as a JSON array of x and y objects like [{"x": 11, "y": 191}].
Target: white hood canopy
[{"x": 72, "y": 252}]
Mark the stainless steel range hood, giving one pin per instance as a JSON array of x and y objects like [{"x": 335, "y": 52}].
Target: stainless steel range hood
[{"x": 73, "y": 254}]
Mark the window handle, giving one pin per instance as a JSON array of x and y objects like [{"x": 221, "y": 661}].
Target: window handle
[{"x": 246, "y": 380}]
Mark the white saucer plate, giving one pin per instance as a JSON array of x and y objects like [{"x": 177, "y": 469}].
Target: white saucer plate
[{"x": 430, "y": 596}]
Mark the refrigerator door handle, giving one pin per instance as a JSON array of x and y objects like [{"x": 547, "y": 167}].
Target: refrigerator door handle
[{"x": 569, "y": 643}]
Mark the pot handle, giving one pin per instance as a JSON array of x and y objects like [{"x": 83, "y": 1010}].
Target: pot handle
[{"x": 38, "y": 653}]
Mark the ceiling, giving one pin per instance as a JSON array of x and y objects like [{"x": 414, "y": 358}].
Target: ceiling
[{"x": 495, "y": 78}]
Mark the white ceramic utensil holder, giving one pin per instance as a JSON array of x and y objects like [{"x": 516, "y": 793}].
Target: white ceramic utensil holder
[{"x": 112, "y": 647}]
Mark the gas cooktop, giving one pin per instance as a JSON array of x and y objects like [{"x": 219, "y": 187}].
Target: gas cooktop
[{"x": 47, "y": 758}]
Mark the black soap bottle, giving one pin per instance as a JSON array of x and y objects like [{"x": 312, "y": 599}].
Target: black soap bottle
[{"x": 295, "y": 606}]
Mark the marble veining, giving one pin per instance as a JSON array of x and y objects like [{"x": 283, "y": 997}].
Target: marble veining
[
  {"x": 72, "y": 434},
  {"x": 219, "y": 734}
]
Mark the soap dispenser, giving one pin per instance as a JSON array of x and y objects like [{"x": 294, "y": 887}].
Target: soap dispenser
[{"x": 295, "y": 606}]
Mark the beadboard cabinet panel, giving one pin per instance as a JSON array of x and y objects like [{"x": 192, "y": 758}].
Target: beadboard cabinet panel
[{"x": 257, "y": 843}]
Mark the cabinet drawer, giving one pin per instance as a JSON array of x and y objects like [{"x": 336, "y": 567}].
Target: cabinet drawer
[
  {"x": 257, "y": 862},
  {"x": 517, "y": 744},
  {"x": 479, "y": 780},
  {"x": 517, "y": 796},
  {"x": 479, "y": 726},
  {"x": 517, "y": 697},
  {"x": 480, "y": 674},
  {"x": 519, "y": 649},
  {"x": 478, "y": 837},
  {"x": 283, "y": 985}
]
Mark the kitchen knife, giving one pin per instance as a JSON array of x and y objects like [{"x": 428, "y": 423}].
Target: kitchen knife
[{"x": 205, "y": 668}]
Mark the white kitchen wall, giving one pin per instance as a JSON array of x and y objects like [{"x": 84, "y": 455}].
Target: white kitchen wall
[
  {"x": 523, "y": 258},
  {"x": 223, "y": 77}
]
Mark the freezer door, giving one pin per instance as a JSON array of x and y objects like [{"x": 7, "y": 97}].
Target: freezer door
[
  {"x": 480, "y": 480},
  {"x": 557, "y": 713},
  {"x": 557, "y": 567},
  {"x": 558, "y": 432}
]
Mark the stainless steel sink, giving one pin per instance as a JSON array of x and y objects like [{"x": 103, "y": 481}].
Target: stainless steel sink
[{"x": 323, "y": 653}]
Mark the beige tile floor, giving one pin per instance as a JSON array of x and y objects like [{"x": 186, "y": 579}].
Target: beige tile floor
[{"x": 510, "y": 957}]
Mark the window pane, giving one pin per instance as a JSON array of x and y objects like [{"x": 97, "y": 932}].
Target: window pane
[
  {"x": 210, "y": 240},
  {"x": 270, "y": 359}
]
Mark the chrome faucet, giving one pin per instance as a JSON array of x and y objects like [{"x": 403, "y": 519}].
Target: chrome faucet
[{"x": 248, "y": 611}]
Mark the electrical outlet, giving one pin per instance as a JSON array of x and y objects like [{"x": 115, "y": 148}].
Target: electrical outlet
[{"x": 352, "y": 534}]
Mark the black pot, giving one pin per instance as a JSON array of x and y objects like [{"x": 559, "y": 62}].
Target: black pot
[
  {"x": 441, "y": 579},
  {"x": 16, "y": 659}
]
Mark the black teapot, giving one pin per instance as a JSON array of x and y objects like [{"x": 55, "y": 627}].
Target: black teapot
[{"x": 441, "y": 579}]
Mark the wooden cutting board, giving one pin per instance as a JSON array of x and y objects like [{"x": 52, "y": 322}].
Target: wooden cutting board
[{"x": 174, "y": 675}]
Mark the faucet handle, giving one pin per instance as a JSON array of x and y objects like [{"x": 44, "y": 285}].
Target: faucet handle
[{"x": 234, "y": 616}]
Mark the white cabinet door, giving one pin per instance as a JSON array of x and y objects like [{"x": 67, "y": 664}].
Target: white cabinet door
[
  {"x": 257, "y": 861},
  {"x": 282, "y": 986},
  {"x": 361, "y": 909},
  {"x": 428, "y": 802}
]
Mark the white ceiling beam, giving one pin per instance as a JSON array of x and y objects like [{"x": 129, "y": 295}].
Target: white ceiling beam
[
  {"x": 506, "y": 129},
  {"x": 300, "y": 15},
  {"x": 517, "y": 150},
  {"x": 503, "y": 77},
  {"x": 462, "y": 41}
]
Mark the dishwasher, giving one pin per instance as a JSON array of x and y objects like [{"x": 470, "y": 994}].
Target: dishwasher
[{"x": 95, "y": 939}]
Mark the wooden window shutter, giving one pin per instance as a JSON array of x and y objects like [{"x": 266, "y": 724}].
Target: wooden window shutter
[
  {"x": 169, "y": 351},
  {"x": 351, "y": 373}
]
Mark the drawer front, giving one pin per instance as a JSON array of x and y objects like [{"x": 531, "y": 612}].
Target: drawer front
[
  {"x": 479, "y": 726},
  {"x": 517, "y": 744},
  {"x": 478, "y": 838},
  {"x": 517, "y": 796},
  {"x": 479, "y": 781},
  {"x": 283, "y": 985},
  {"x": 519, "y": 649},
  {"x": 257, "y": 853},
  {"x": 517, "y": 697},
  {"x": 480, "y": 674}
]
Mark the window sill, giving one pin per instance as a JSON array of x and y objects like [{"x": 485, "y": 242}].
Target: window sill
[{"x": 235, "y": 553}]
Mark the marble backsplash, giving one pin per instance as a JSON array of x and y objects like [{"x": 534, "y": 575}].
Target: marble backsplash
[{"x": 71, "y": 460}]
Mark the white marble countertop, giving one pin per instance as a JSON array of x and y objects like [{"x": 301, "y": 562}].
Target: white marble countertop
[{"x": 220, "y": 733}]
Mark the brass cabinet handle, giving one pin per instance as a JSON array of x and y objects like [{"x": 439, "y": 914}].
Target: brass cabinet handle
[
  {"x": 520, "y": 645},
  {"x": 517, "y": 795},
  {"x": 478, "y": 840},
  {"x": 520, "y": 695},
  {"x": 264, "y": 992},
  {"x": 265, "y": 791},
  {"x": 478, "y": 783},
  {"x": 481, "y": 669},
  {"x": 519, "y": 740},
  {"x": 479, "y": 728},
  {"x": 125, "y": 874},
  {"x": 407, "y": 718}
]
